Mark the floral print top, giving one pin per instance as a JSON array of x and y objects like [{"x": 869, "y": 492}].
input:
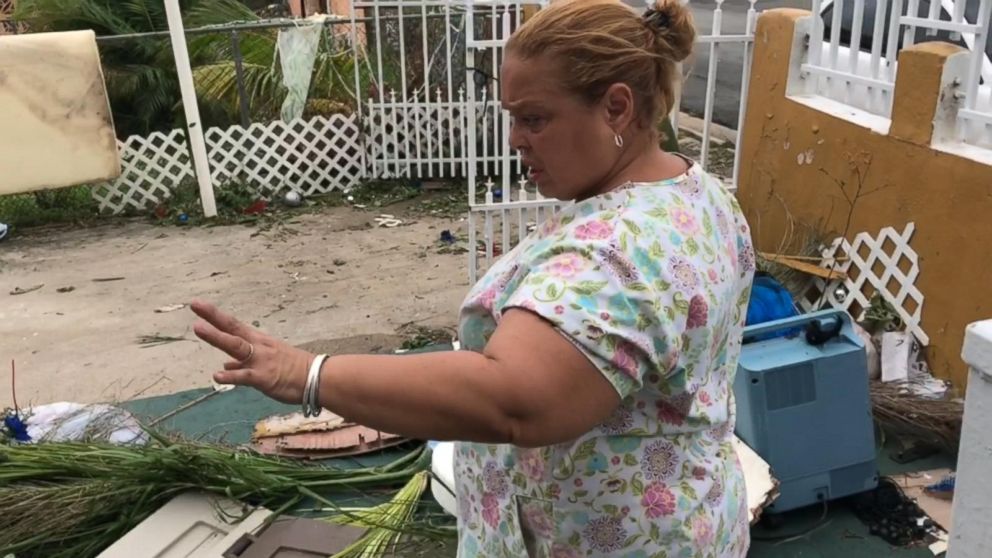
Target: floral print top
[{"x": 651, "y": 283}]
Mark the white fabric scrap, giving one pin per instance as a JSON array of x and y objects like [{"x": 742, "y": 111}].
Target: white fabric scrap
[
  {"x": 297, "y": 53},
  {"x": 76, "y": 422}
]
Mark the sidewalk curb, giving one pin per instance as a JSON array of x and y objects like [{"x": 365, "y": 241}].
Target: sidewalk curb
[{"x": 694, "y": 126}]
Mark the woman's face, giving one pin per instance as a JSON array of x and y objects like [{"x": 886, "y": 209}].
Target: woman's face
[{"x": 567, "y": 144}]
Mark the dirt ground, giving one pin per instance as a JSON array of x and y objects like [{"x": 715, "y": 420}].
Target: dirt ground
[{"x": 329, "y": 279}]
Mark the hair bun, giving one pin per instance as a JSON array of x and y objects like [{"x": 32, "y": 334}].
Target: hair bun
[
  {"x": 659, "y": 20},
  {"x": 675, "y": 33}
]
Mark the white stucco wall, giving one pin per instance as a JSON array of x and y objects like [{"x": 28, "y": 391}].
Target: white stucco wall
[{"x": 971, "y": 535}]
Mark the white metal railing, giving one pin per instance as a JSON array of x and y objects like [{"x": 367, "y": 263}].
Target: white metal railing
[{"x": 863, "y": 75}]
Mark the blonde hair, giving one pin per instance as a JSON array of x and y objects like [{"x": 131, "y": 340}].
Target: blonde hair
[{"x": 602, "y": 42}]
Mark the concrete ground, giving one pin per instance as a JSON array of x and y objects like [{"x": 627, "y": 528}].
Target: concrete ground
[{"x": 326, "y": 278}]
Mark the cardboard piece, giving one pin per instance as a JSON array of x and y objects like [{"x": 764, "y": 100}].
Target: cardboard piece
[
  {"x": 57, "y": 126},
  {"x": 913, "y": 484},
  {"x": 760, "y": 485},
  {"x": 322, "y": 437}
]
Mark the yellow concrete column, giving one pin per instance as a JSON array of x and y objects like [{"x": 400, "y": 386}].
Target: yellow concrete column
[
  {"x": 925, "y": 75},
  {"x": 773, "y": 44}
]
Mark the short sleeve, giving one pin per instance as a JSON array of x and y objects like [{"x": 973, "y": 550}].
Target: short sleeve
[{"x": 607, "y": 306}]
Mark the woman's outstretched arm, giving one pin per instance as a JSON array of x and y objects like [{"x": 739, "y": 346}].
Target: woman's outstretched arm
[{"x": 529, "y": 387}]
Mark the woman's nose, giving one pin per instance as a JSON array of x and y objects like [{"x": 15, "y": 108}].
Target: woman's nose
[{"x": 517, "y": 141}]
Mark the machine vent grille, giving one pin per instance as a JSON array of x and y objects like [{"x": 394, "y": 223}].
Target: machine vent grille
[{"x": 791, "y": 386}]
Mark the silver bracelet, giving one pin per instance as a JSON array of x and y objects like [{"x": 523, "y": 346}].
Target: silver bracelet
[{"x": 311, "y": 391}]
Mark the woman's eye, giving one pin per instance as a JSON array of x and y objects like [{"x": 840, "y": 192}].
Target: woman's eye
[{"x": 532, "y": 122}]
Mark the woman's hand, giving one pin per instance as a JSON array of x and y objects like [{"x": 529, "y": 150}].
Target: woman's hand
[{"x": 269, "y": 365}]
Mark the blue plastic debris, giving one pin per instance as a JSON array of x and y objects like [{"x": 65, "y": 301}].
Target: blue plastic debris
[
  {"x": 16, "y": 428},
  {"x": 943, "y": 488},
  {"x": 770, "y": 301}
]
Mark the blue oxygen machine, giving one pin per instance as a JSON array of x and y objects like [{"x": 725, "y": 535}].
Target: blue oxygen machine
[{"x": 803, "y": 405}]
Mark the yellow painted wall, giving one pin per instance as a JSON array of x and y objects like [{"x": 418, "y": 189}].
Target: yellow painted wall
[{"x": 901, "y": 177}]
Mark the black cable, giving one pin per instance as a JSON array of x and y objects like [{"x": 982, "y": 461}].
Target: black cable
[
  {"x": 891, "y": 515},
  {"x": 819, "y": 523}
]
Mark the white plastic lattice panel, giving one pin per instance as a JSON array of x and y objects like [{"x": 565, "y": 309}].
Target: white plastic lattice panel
[
  {"x": 310, "y": 156},
  {"x": 151, "y": 168},
  {"x": 884, "y": 264}
]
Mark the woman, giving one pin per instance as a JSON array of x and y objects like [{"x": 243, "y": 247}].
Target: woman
[{"x": 594, "y": 401}]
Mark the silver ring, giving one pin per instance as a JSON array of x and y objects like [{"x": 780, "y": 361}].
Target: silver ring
[{"x": 251, "y": 353}]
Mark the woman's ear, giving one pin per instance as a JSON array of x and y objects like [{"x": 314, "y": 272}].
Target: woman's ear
[{"x": 619, "y": 106}]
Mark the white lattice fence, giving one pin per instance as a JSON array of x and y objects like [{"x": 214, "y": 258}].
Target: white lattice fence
[
  {"x": 151, "y": 168},
  {"x": 884, "y": 264},
  {"x": 310, "y": 156},
  {"x": 417, "y": 137}
]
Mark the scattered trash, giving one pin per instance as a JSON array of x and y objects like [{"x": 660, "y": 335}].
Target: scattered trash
[
  {"x": 20, "y": 291},
  {"x": 256, "y": 208},
  {"x": 169, "y": 308},
  {"x": 292, "y": 198},
  {"x": 15, "y": 427},
  {"x": 68, "y": 289},
  {"x": 891, "y": 515},
  {"x": 943, "y": 489},
  {"x": 760, "y": 486},
  {"x": 76, "y": 422},
  {"x": 322, "y": 437},
  {"x": 183, "y": 218},
  {"x": 156, "y": 340},
  {"x": 497, "y": 249},
  {"x": 902, "y": 363},
  {"x": 107, "y": 279},
  {"x": 808, "y": 267},
  {"x": 447, "y": 237},
  {"x": 386, "y": 220},
  {"x": 939, "y": 547},
  {"x": 931, "y": 490}
]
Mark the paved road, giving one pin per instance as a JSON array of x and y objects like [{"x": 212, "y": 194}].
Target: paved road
[{"x": 730, "y": 58}]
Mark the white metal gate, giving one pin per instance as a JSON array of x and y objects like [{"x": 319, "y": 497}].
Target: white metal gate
[{"x": 504, "y": 207}]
